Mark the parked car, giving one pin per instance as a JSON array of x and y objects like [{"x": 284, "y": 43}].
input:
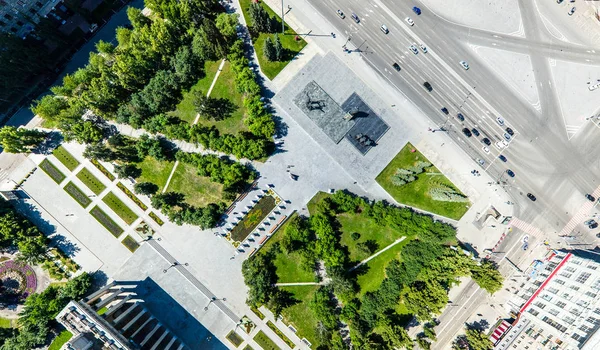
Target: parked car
[
  {"x": 481, "y": 161},
  {"x": 510, "y": 131},
  {"x": 590, "y": 197},
  {"x": 502, "y": 158},
  {"x": 507, "y": 136},
  {"x": 396, "y": 66},
  {"x": 355, "y": 17},
  {"x": 464, "y": 64},
  {"x": 572, "y": 11},
  {"x": 532, "y": 197},
  {"x": 486, "y": 141},
  {"x": 423, "y": 48},
  {"x": 460, "y": 117},
  {"x": 413, "y": 48},
  {"x": 593, "y": 225},
  {"x": 427, "y": 86},
  {"x": 589, "y": 222},
  {"x": 510, "y": 173},
  {"x": 475, "y": 132},
  {"x": 409, "y": 21},
  {"x": 416, "y": 10},
  {"x": 341, "y": 14},
  {"x": 500, "y": 121},
  {"x": 486, "y": 150},
  {"x": 467, "y": 132},
  {"x": 445, "y": 110},
  {"x": 384, "y": 29}
]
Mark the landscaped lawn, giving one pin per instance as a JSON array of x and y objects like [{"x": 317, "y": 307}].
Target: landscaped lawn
[
  {"x": 77, "y": 194},
  {"x": 312, "y": 203},
  {"x": 120, "y": 208},
  {"x": 106, "y": 221},
  {"x": 60, "y": 340},
  {"x": 265, "y": 342},
  {"x": 300, "y": 316},
  {"x": 130, "y": 243},
  {"x": 292, "y": 47},
  {"x": 5, "y": 323},
  {"x": 416, "y": 193},
  {"x": 198, "y": 190},
  {"x": 52, "y": 171},
  {"x": 288, "y": 265},
  {"x": 90, "y": 181},
  {"x": 234, "y": 338},
  {"x": 254, "y": 217},
  {"x": 66, "y": 158},
  {"x": 371, "y": 280},
  {"x": 155, "y": 171}
]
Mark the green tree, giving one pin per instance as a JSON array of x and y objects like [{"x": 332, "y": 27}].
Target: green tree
[
  {"x": 478, "y": 340},
  {"x": 423, "y": 343},
  {"x": 487, "y": 276},
  {"x": 227, "y": 25},
  {"x": 84, "y": 132},
  {"x": 278, "y": 48},
  {"x": 260, "y": 277},
  {"x": 127, "y": 170},
  {"x": 186, "y": 66},
  {"x": 212, "y": 108},
  {"x": 105, "y": 47},
  {"x": 425, "y": 299},
  {"x": 20, "y": 140},
  {"x": 269, "y": 50},
  {"x": 324, "y": 308},
  {"x": 145, "y": 188},
  {"x": 429, "y": 331},
  {"x": 99, "y": 151},
  {"x": 395, "y": 336},
  {"x": 32, "y": 250},
  {"x": 137, "y": 18},
  {"x": 150, "y": 146},
  {"x": 49, "y": 107}
]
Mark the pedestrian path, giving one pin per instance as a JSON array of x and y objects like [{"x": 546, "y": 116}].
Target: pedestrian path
[
  {"x": 581, "y": 214},
  {"x": 377, "y": 254},
  {"x": 526, "y": 227}
]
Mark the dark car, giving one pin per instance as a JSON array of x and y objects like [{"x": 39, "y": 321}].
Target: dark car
[
  {"x": 502, "y": 158},
  {"x": 445, "y": 110},
  {"x": 510, "y": 131},
  {"x": 355, "y": 17},
  {"x": 475, "y": 132},
  {"x": 429, "y": 88},
  {"x": 417, "y": 10},
  {"x": 467, "y": 132},
  {"x": 510, "y": 173},
  {"x": 593, "y": 225},
  {"x": 460, "y": 117},
  {"x": 486, "y": 141},
  {"x": 396, "y": 66},
  {"x": 532, "y": 197},
  {"x": 590, "y": 197}
]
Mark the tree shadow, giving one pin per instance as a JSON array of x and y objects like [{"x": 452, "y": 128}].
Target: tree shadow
[
  {"x": 99, "y": 280},
  {"x": 480, "y": 325},
  {"x": 52, "y": 141},
  {"x": 35, "y": 216},
  {"x": 65, "y": 245}
]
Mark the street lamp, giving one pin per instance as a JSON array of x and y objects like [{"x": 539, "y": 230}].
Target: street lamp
[
  {"x": 173, "y": 265},
  {"x": 212, "y": 300}
]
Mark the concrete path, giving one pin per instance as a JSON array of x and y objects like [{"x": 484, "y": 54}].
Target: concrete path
[
  {"x": 377, "y": 254},
  {"x": 300, "y": 284}
]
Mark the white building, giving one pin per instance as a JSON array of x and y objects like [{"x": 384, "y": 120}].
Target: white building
[{"x": 558, "y": 304}]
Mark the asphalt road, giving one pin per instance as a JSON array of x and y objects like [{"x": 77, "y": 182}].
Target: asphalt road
[{"x": 557, "y": 170}]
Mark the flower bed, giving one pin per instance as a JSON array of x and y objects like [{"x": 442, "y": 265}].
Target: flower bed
[
  {"x": 253, "y": 218},
  {"x": 156, "y": 218},
  {"x": 104, "y": 171},
  {"x": 77, "y": 194},
  {"x": 132, "y": 196},
  {"x": 52, "y": 171},
  {"x": 22, "y": 273},
  {"x": 106, "y": 221}
]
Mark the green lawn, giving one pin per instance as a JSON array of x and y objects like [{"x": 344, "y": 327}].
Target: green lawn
[
  {"x": 90, "y": 181},
  {"x": 66, "y": 158},
  {"x": 120, "y": 208},
  {"x": 416, "y": 193},
  {"x": 5, "y": 323},
  {"x": 292, "y": 47},
  {"x": 254, "y": 217},
  {"x": 288, "y": 265},
  {"x": 371, "y": 280},
  {"x": 300, "y": 316},
  {"x": 312, "y": 203},
  {"x": 155, "y": 171},
  {"x": 60, "y": 340},
  {"x": 265, "y": 342},
  {"x": 198, "y": 190}
]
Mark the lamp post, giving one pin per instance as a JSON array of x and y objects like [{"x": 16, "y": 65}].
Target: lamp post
[
  {"x": 173, "y": 265},
  {"x": 212, "y": 300}
]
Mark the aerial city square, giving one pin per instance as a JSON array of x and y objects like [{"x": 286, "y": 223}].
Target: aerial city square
[{"x": 299, "y": 174}]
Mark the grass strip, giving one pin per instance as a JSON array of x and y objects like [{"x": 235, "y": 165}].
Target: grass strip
[
  {"x": 265, "y": 342},
  {"x": 60, "y": 340},
  {"x": 120, "y": 208},
  {"x": 132, "y": 196},
  {"x": 5, "y": 323},
  {"x": 156, "y": 218},
  {"x": 104, "y": 171},
  {"x": 130, "y": 243},
  {"x": 66, "y": 158},
  {"x": 287, "y": 340},
  {"x": 90, "y": 181},
  {"x": 234, "y": 338},
  {"x": 77, "y": 194},
  {"x": 248, "y": 347},
  {"x": 106, "y": 221},
  {"x": 52, "y": 171}
]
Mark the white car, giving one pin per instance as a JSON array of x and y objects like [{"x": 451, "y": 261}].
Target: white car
[
  {"x": 413, "y": 48},
  {"x": 500, "y": 121},
  {"x": 501, "y": 144},
  {"x": 572, "y": 11},
  {"x": 409, "y": 21},
  {"x": 594, "y": 87},
  {"x": 384, "y": 29},
  {"x": 480, "y": 161},
  {"x": 341, "y": 14},
  {"x": 486, "y": 150},
  {"x": 464, "y": 64},
  {"x": 423, "y": 48}
]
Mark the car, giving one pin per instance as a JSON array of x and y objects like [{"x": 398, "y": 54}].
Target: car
[
  {"x": 559, "y": 1},
  {"x": 525, "y": 246},
  {"x": 486, "y": 141},
  {"x": 500, "y": 121},
  {"x": 501, "y": 144},
  {"x": 409, "y": 21},
  {"x": 510, "y": 131},
  {"x": 486, "y": 150},
  {"x": 572, "y": 11},
  {"x": 464, "y": 64},
  {"x": 507, "y": 136},
  {"x": 481, "y": 161},
  {"x": 384, "y": 29},
  {"x": 445, "y": 110},
  {"x": 593, "y": 86},
  {"x": 294, "y": 177},
  {"x": 396, "y": 66},
  {"x": 510, "y": 173},
  {"x": 416, "y": 10},
  {"x": 598, "y": 234},
  {"x": 593, "y": 225},
  {"x": 467, "y": 132},
  {"x": 589, "y": 222},
  {"x": 460, "y": 117},
  {"x": 502, "y": 158},
  {"x": 475, "y": 132},
  {"x": 341, "y": 14},
  {"x": 413, "y": 48},
  {"x": 590, "y": 197},
  {"x": 532, "y": 197},
  {"x": 423, "y": 48},
  {"x": 427, "y": 86},
  {"x": 355, "y": 17}
]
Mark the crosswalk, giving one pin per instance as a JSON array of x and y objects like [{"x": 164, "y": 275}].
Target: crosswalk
[
  {"x": 526, "y": 227},
  {"x": 581, "y": 214}
]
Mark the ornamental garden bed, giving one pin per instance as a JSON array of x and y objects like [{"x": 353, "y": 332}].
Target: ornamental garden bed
[
  {"x": 66, "y": 158},
  {"x": 130, "y": 243},
  {"x": 77, "y": 194},
  {"x": 265, "y": 342},
  {"x": 90, "y": 181},
  {"x": 120, "y": 208},
  {"x": 106, "y": 221},
  {"x": 18, "y": 280},
  {"x": 132, "y": 196},
  {"x": 156, "y": 219},
  {"x": 52, "y": 171},
  {"x": 104, "y": 171},
  {"x": 256, "y": 215}
]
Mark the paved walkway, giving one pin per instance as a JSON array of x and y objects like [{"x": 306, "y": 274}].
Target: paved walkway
[
  {"x": 300, "y": 284},
  {"x": 377, "y": 254}
]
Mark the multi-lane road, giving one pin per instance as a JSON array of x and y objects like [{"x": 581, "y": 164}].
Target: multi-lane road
[{"x": 557, "y": 169}]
